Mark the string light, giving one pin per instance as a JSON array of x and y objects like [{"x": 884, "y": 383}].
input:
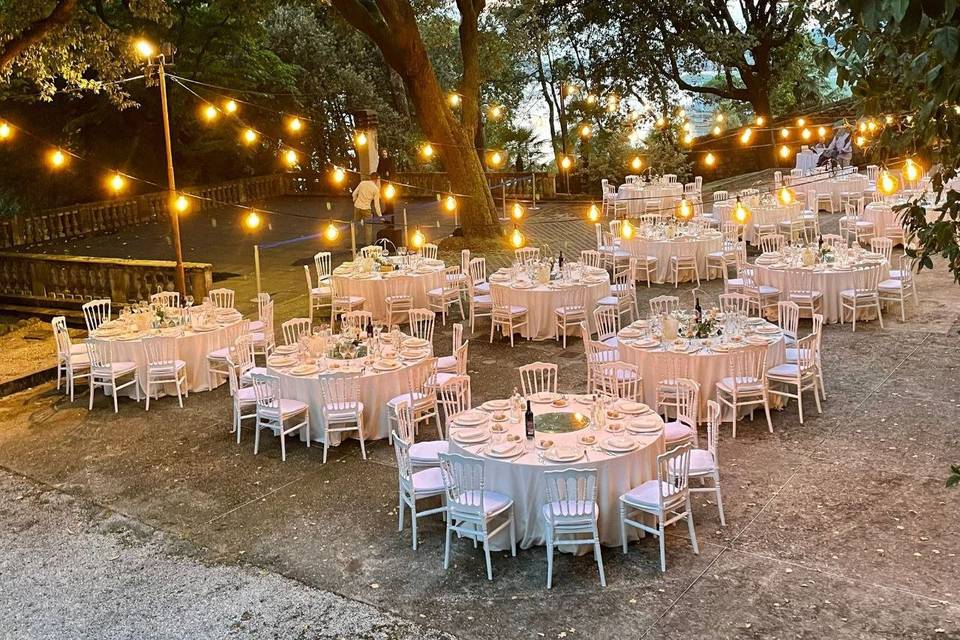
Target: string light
[
  {"x": 290, "y": 157},
  {"x": 688, "y": 138},
  {"x": 495, "y": 159},
  {"x": 252, "y": 220},
  {"x": 613, "y": 103},
  {"x": 426, "y": 151},
  {"x": 295, "y": 124},
  {"x": 786, "y": 195},
  {"x": 116, "y": 182},
  {"x": 862, "y": 126},
  {"x": 861, "y": 141},
  {"x": 684, "y": 210},
  {"x": 687, "y": 126},
  {"x": 57, "y": 158},
  {"x": 626, "y": 229},
  {"x": 784, "y": 152},
  {"x": 719, "y": 117},
  {"x": 331, "y": 232},
  {"x": 740, "y": 212},
  {"x": 872, "y": 125},
  {"x": 710, "y": 160},
  {"x": 661, "y": 122},
  {"x": 517, "y": 211},
  {"x": 591, "y": 99},
  {"x": 230, "y": 106},
  {"x": 389, "y": 191},
  {"x": 210, "y": 113},
  {"x": 361, "y": 139},
  {"x": 585, "y": 131},
  {"x": 339, "y": 175},
  {"x": 418, "y": 239},
  {"x": 636, "y": 164},
  {"x": 145, "y": 48},
  {"x": 496, "y": 112},
  {"x": 746, "y": 135},
  {"x": 5, "y": 131},
  {"x": 822, "y": 132},
  {"x": 181, "y": 204},
  {"x": 593, "y": 214},
  {"x": 806, "y": 134},
  {"x": 566, "y": 163},
  {"x": 249, "y": 136},
  {"x": 801, "y": 122},
  {"x": 571, "y": 89},
  {"x": 911, "y": 171},
  {"x": 516, "y": 238},
  {"x": 887, "y": 183},
  {"x": 454, "y": 100},
  {"x": 760, "y": 121},
  {"x": 784, "y": 133},
  {"x": 450, "y": 204},
  {"x": 717, "y": 130}
]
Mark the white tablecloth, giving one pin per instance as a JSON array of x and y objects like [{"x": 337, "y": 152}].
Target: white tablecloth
[
  {"x": 825, "y": 183},
  {"x": 882, "y": 215},
  {"x": 807, "y": 160},
  {"x": 654, "y": 198},
  {"x": 192, "y": 348},
  {"x": 702, "y": 245},
  {"x": 377, "y": 287},
  {"x": 760, "y": 214},
  {"x": 830, "y": 282},
  {"x": 522, "y": 479},
  {"x": 704, "y": 366},
  {"x": 543, "y": 299}
]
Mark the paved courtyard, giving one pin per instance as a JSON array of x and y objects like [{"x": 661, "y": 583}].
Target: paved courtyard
[{"x": 157, "y": 525}]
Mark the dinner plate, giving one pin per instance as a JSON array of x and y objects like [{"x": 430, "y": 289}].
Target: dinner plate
[
  {"x": 563, "y": 454},
  {"x": 386, "y": 365},
  {"x": 644, "y": 426},
  {"x": 544, "y": 444},
  {"x": 496, "y": 405},
  {"x": 281, "y": 361},
  {"x": 524, "y": 285},
  {"x": 543, "y": 397},
  {"x": 470, "y": 419},
  {"x": 768, "y": 329},
  {"x": 287, "y": 349},
  {"x": 415, "y": 343},
  {"x": 470, "y": 436},
  {"x": 631, "y": 407},
  {"x": 304, "y": 370},
  {"x": 587, "y": 439},
  {"x": 619, "y": 444},
  {"x": 647, "y": 343},
  {"x": 504, "y": 450},
  {"x": 630, "y": 332}
]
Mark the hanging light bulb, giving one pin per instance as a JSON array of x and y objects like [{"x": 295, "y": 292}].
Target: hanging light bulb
[
  {"x": 784, "y": 151},
  {"x": 585, "y": 131},
  {"x": 786, "y": 195},
  {"x": 116, "y": 182},
  {"x": 252, "y": 220},
  {"x": 295, "y": 124},
  {"x": 822, "y": 132},
  {"x": 339, "y": 175},
  {"x": 230, "y": 106},
  {"x": 5, "y": 131},
  {"x": 636, "y": 164},
  {"x": 495, "y": 159},
  {"x": 688, "y": 138},
  {"x": 361, "y": 139},
  {"x": 566, "y": 163},
  {"x": 145, "y": 48},
  {"x": 290, "y": 157},
  {"x": 516, "y": 238},
  {"x": 887, "y": 184},
  {"x": 911, "y": 171},
  {"x": 57, "y": 158},
  {"x": 450, "y": 204},
  {"x": 862, "y": 126},
  {"x": 210, "y": 113},
  {"x": 801, "y": 122},
  {"x": 418, "y": 239},
  {"x": 249, "y": 136},
  {"x": 806, "y": 134},
  {"x": 740, "y": 212},
  {"x": 389, "y": 191},
  {"x": 426, "y": 151},
  {"x": 719, "y": 117},
  {"x": 861, "y": 141},
  {"x": 746, "y": 135},
  {"x": 717, "y": 130},
  {"x": 661, "y": 122},
  {"x": 687, "y": 126},
  {"x": 710, "y": 160},
  {"x": 496, "y": 112},
  {"x": 760, "y": 121},
  {"x": 626, "y": 229},
  {"x": 331, "y": 232},
  {"x": 517, "y": 211},
  {"x": 871, "y": 125},
  {"x": 613, "y": 103},
  {"x": 684, "y": 210},
  {"x": 591, "y": 99},
  {"x": 593, "y": 214},
  {"x": 454, "y": 100},
  {"x": 784, "y": 133},
  {"x": 181, "y": 203}
]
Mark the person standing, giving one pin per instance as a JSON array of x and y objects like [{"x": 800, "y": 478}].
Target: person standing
[
  {"x": 366, "y": 204},
  {"x": 841, "y": 146},
  {"x": 386, "y": 169}
]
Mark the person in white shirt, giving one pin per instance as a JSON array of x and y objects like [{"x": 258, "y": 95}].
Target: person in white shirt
[
  {"x": 366, "y": 202},
  {"x": 841, "y": 145}
]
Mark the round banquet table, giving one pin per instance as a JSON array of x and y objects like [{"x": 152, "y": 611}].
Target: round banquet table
[
  {"x": 760, "y": 214},
  {"x": 542, "y": 299},
  {"x": 828, "y": 280},
  {"x": 376, "y": 388},
  {"x": 522, "y": 477},
  {"x": 661, "y": 195},
  {"x": 704, "y": 366},
  {"x": 807, "y": 160},
  {"x": 192, "y": 348},
  {"x": 835, "y": 186},
  {"x": 705, "y": 243},
  {"x": 882, "y": 215},
  {"x": 374, "y": 286}
]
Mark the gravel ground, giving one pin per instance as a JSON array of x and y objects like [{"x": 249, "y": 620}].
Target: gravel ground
[{"x": 71, "y": 569}]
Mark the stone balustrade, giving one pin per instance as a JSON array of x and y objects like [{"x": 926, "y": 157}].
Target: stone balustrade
[
  {"x": 517, "y": 184},
  {"x": 40, "y": 280}
]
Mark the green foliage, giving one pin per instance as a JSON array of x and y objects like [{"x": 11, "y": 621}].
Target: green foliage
[
  {"x": 954, "y": 479},
  {"x": 662, "y": 151}
]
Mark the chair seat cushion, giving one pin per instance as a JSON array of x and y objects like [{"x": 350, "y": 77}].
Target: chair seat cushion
[
  {"x": 483, "y": 301},
  {"x": 446, "y": 363},
  {"x": 321, "y": 292},
  {"x": 257, "y": 325},
  {"x": 785, "y": 370},
  {"x": 404, "y": 397},
  {"x": 78, "y": 349},
  {"x": 219, "y": 354},
  {"x": 428, "y": 481},
  {"x": 896, "y": 274},
  {"x": 166, "y": 367},
  {"x": 891, "y": 285},
  {"x": 767, "y": 290},
  {"x": 245, "y": 395},
  {"x": 701, "y": 461},
  {"x": 674, "y": 430},
  {"x": 611, "y": 342},
  {"x": 247, "y": 378},
  {"x": 608, "y": 300},
  {"x": 514, "y": 310},
  {"x": 440, "y": 291},
  {"x": 289, "y": 407},
  {"x": 571, "y": 311},
  {"x": 483, "y": 287},
  {"x": 350, "y": 300},
  {"x": 806, "y": 295},
  {"x": 493, "y": 502},
  {"x": 428, "y": 451},
  {"x": 346, "y": 411},
  {"x": 862, "y": 295},
  {"x": 119, "y": 368},
  {"x": 735, "y": 282},
  {"x": 566, "y": 510},
  {"x": 647, "y": 494},
  {"x": 743, "y": 384}
]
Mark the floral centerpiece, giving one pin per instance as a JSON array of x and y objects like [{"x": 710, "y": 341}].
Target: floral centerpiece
[
  {"x": 707, "y": 326},
  {"x": 826, "y": 253},
  {"x": 350, "y": 345}
]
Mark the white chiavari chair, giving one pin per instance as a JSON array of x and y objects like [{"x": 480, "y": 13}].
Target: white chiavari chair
[
  {"x": 341, "y": 408},
  {"x": 322, "y": 262},
  {"x": 705, "y": 463},
  {"x": 478, "y": 273},
  {"x": 164, "y": 367},
  {"x": 571, "y": 509},
  {"x": 265, "y": 341},
  {"x": 683, "y": 259},
  {"x": 448, "y": 364},
  {"x": 371, "y": 251},
  {"x": 570, "y": 312},
  {"x": 166, "y": 299},
  {"x": 471, "y": 507},
  {"x": 773, "y": 242},
  {"x": 222, "y": 298},
  {"x": 538, "y": 377},
  {"x": 275, "y": 413},
  {"x": 527, "y": 254},
  {"x": 294, "y": 329},
  {"x": 398, "y": 308},
  {"x": 763, "y": 296},
  {"x": 104, "y": 372},
  {"x": 429, "y": 251},
  {"x": 448, "y": 294},
  {"x": 258, "y": 325},
  {"x": 480, "y": 304},
  {"x": 642, "y": 263},
  {"x": 244, "y": 398},
  {"x": 72, "y": 360},
  {"x": 607, "y": 321},
  {"x": 663, "y": 305},
  {"x": 591, "y": 258},
  {"x": 788, "y": 319},
  {"x": 801, "y": 374},
  {"x": 744, "y": 386},
  {"x": 621, "y": 380},
  {"x": 414, "y": 486},
  {"x": 319, "y": 297},
  {"x": 864, "y": 295},
  {"x": 422, "y": 323},
  {"x": 736, "y": 303},
  {"x": 455, "y": 397},
  {"x": 359, "y": 320},
  {"x": 802, "y": 292},
  {"x": 623, "y": 296},
  {"x": 420, "y": 394},
  {"x": 667, "y": 499},
  {"x": 683, "y": 429},
  {"x": 341, "y": 301},
  {"x": 597, "y": 354},
  {"x": 898, "y": 290},
  {"x": 95, "y": 313},
  {"x": 508, "y": 317},
  {"x": 883, "y": 247}
]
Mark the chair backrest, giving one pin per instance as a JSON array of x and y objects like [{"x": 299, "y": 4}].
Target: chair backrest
[
  {"x": 61, "y": 336},
  {"x": 294, "y": 329},
  {"x": 713, "y": 430},
  {"x": 867, "y": 279},
  {"x": 455, "y": 396},
  {"x": 460, "y": 354},
  {"x": 834, "y": 240},
  {"x": 883, "y": 246},
  {"x": 673, "y": 472},
  {"x": 266, "y": 316},
  {"x": 720, "y": 196},
  {"x": 498, "y": 299},
  {"x": 340, "y": 392},
  {"x": 464, "y": 483},
  {"x": 322, "y": 263},
  {"x": 451, "y": 281},
  {"x": 623, "y": 281},
  {"x": 735, "y": 303},
  {"x": 100, "y": 353},
  {"x": 614, "y": 226},
  {"x": 359, "y": 319},
  {"x": 572, "y": 298},
  {"x": 771, "y": 242},
  {"x": 907, "y": 267},
  {"x": 621, "y": 380},
  {"x": 457, "y": 335},
  {"x": 222, "y": 298},
  {"x": 527, "y": 254},
  {"x": 166, "y": 299},
  {"x": 800, "y": 280},
  {"x": 807, "y": 351},
  {"x": 419, "y": 377},
  {"x": 262, "y": 299},
  {"x": 429, "y": 250},
  {"x": 398, "y": 304},
  {"x": 465, "y": 260},
  {"x": 421, "y": 323},
  {"x": 371, "y": 251},
  {"x": 788, "y": 317},
  {"x": 241, "y": 358},
  {"x": 537, "y": 377},
  {"x": 698, "y": 182},
  {"x": 730, "y": 231},
  {"x": 160, "y": 351},
  {"x": 266, "y": 389},
  {"x": 663, "y": 304},
  {"x": 607, "y": 319},
  {"x": 571, "y": 493},
  {"x": 96, "y": 312},
  {"x": 401, "y": 447},
  {"x": 688, "y": 404},
  {"x": 478, "y": 270},
  {"x": 747, "y": 366},
  {"x": 306, "y": 272}
]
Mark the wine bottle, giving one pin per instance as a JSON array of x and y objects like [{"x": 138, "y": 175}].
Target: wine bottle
[
  {"x": 560, "y": 260},
  {"x": 698, "y": 309},
  {"x": 528, "y": 421}
]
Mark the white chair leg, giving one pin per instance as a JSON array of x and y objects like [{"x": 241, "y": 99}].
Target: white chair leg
[
  {"x": 716, "y": 484},
  {"x": 663, "y": 550},
  {"x": 549, "y": 557}
]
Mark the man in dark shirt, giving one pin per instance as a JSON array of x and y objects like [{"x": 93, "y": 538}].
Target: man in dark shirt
[{"x": 386, "y": 170}]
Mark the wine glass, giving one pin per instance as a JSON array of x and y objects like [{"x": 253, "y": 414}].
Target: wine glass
[{"x": 189, "y": 300}]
